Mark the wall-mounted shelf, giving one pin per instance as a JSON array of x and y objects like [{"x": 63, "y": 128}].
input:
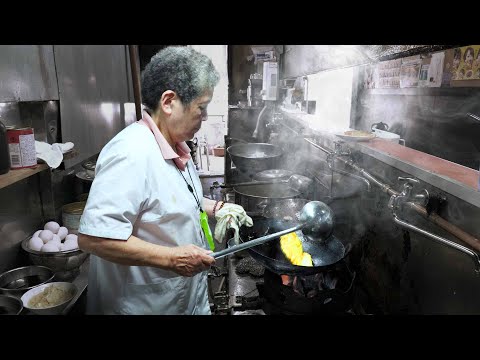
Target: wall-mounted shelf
[{"x": 16, "y": 175}]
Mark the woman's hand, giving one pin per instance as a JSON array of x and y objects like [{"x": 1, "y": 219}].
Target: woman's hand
[{"x": 189, "y": 260}]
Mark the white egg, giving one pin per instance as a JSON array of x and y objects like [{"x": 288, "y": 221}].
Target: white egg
[
  {"x": 53, "y": 226},
  {"x": 50, "y": 247},
  {"x": 35, "y": 243},
  {"x": 69, "y": 245},
  {"x": 72, "y": 241},
  {"x": 46, "y": 235},
  {"x": 56, "y": 238},
  {"x": 62, "y": 232},
  {"x": 36, "y": 233},
  {"x": 71, "y": 237}
]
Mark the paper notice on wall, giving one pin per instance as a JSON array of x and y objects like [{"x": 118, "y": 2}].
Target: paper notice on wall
[
  {"x": 389, "y": 74},
  {"x": 409, "y": 71},
  {"x": 435, "y": 70},
  {"x": 423, "y": 75}
]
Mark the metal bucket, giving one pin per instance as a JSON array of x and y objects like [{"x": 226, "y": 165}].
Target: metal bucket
[{"x": 71, "y": 214}]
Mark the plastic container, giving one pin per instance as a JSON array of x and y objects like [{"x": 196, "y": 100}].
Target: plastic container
[
  {"x": 4, "y": 152},
  {"x": 71, "y": 214}
]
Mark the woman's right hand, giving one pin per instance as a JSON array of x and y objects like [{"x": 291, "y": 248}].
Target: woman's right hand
[{"x": 189, "y": 260}]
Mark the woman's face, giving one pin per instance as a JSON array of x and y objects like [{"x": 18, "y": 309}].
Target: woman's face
[{"x": 186, "y": 121}]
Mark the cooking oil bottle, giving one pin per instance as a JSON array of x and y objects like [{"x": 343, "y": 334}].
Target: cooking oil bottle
[{"x": 4, "y": 152}]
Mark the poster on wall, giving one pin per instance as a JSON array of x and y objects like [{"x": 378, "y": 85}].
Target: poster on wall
[
  {"x": 409, "y": 71},
  {"x": 465, "y": 63}
]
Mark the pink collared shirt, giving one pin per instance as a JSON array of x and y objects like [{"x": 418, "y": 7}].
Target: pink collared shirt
[{"x": 180, "y": 157}]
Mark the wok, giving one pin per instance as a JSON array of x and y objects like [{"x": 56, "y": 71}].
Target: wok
[
  {"x": 252, "y": 158},
  {"x": 324, "y": 253}
]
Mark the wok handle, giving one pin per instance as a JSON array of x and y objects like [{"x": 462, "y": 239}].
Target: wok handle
[{"x": 252, "y": 243}]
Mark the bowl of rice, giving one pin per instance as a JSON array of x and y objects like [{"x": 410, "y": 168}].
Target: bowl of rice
[{"x": 49, "y": 299}]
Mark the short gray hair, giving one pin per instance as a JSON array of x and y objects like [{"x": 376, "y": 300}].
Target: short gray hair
[{"x": 181, "y": 69}]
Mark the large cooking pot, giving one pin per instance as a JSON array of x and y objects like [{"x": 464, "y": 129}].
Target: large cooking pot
[
  {"x": 273, "y": 175},
  {"x": 254, "y": 198},
  {"x": 285, "y": 209},
  {"x": 288, "y": 209},
  {"x": 325, "y": 254},
  {"x": 252, "y": 158}
]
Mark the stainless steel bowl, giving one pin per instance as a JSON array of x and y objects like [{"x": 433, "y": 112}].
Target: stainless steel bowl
[
  {"x": 252, "y": 158},
  {"x": 18, "y": 281},
  {"x": 10, "y": 305},
  {"x": 61, "y": 261}
]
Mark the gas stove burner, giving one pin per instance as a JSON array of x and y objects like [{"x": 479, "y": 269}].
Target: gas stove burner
[{"x": 329, "y": 292}]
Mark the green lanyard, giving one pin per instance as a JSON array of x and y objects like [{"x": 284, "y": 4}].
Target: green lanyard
[{"x": 203, "y": 214}]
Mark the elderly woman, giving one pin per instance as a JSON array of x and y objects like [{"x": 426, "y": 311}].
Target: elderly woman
[{"x": 142, "y": 220}]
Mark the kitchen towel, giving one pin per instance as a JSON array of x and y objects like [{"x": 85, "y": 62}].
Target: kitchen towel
[
  {"x": 52, "y": 154},
  {"x": 231, "y": 216}
]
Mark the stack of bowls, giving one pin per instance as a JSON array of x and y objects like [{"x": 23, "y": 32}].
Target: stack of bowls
[{"x": 16, "y": 282}]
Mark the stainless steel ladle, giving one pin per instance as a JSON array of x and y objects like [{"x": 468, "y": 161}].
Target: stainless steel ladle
[{"x": 316, "y": 221}]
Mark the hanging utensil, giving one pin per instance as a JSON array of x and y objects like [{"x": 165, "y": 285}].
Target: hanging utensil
[{"x": 316, "y": 221}]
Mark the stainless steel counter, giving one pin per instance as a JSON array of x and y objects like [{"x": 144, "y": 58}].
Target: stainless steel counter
[{"x": 447, "y": 184}]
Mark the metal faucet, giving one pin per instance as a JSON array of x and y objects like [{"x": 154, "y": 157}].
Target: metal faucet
[{"x": 422, "y": 198}]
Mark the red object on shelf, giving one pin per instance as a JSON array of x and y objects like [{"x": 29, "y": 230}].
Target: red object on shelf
[{"x": 218, "y": 151}]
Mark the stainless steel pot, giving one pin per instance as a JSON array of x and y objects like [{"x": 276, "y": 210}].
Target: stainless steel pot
[
  {"x": 254, "y": 198},
  {"x": 252, "y": 158},
  {"x": 273, "y": 175}
]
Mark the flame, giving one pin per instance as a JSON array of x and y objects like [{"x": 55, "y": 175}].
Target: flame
[{"x": 286, "y": 280}]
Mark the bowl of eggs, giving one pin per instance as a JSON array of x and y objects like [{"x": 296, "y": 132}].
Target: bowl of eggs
[
  {"x": 49, "y": 299},
  {"x": 54, "y": 248}
]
